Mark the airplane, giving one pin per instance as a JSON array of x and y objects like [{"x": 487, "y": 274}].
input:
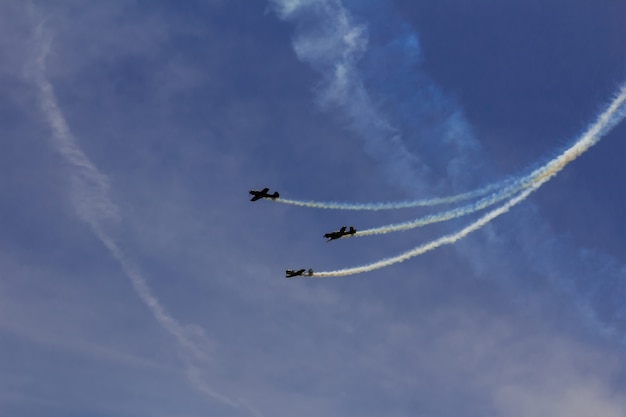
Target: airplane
[
  {"x": 340, "y": 233},
  {"x": 262, "y": 194},
  {"x": 290, "y": 273}
]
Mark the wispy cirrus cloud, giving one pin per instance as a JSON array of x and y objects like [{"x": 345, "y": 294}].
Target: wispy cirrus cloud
[{"x": 93, "y": 204}]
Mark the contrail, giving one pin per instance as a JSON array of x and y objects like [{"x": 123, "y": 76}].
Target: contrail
[
  {"x": 427, "y": 202},
  {"x": 93, "y": 205},
  {"x": 445, "y": 240},
  {"x": 499, "y": 191},
  {"x": 506, "y": 189},
  {"x": 614, "y": 114},
  {"x": 605, "y": 122},
  {"x": 443, "y": 216}
]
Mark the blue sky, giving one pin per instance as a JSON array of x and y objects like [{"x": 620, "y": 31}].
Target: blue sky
[{"x": 137, "y": 279}]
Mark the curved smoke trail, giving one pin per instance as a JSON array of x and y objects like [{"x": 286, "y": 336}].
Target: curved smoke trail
[
  {"x": 427, "y": 247},
  {"x": 335, "y": 43},
  {"x": 603, "y": 125},
  {"x": 427, "y": 202},
  {"x": 443, "y": 216},
  {"x": 608, "y": 119},
  {"x": 505, "y": 191}
]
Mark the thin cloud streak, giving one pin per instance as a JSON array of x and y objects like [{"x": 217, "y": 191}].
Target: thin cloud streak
[
  {"x": 90, "y": 197},
  {"x": 332, "y": 42}
]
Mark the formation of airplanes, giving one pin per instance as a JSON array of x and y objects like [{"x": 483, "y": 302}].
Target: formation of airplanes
[{"x": 290, "y": 273}]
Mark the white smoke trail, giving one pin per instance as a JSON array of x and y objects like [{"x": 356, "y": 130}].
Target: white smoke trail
[
  {"x": 442, "y": 216},
  {"x": 604, "y": 123},
  {"x": 332, "y": 41},
  {"x": 614, "y": 114},
  {"x": 391, "y": 205},
  {"x": 503, "y": 190},
  {"x": 93, "y": 205}
]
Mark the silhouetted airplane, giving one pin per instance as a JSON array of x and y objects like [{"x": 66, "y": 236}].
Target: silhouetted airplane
[
  {"x": 340, "y": 233},
  {"x": 262, "y": 194},
  {"x": 290, "y": 273}
]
